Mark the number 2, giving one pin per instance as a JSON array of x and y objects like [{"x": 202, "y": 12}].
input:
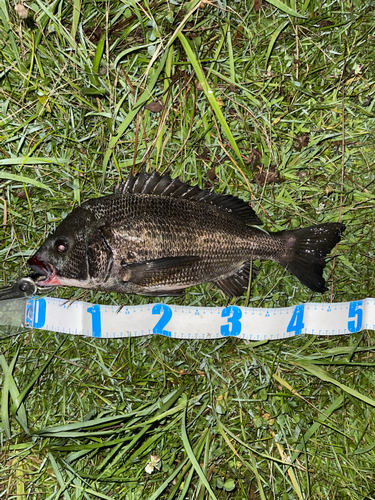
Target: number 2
[
  {"x": 164, "y": 320},
  {"x": 355, "y": 311}
]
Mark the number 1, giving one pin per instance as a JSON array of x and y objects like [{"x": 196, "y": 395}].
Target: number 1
[
  {"x": 96, "y": 320},
  {"x": 40, "y": 307}
]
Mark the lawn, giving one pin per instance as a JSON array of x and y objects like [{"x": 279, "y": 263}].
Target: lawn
[{"x": 271, "y": 101}]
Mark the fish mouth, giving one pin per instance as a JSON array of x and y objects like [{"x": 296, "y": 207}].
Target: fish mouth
[{"x": 47, "y": 271}]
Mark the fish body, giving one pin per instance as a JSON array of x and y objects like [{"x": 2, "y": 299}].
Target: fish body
[{"x": 158, "y": 236}]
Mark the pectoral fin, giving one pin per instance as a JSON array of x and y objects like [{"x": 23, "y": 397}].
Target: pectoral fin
[
  {"x": 165, "y": 293},
  {"x": 167, "y": 271}
]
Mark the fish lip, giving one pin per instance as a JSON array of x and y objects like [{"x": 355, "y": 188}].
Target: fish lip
[{"x": 45, "y": 269}]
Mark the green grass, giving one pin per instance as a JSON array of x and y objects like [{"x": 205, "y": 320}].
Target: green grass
[{"x": 228, "y": 419}]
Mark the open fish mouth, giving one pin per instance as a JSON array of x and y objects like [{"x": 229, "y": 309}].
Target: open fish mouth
[{"x": 47, "y": 271}]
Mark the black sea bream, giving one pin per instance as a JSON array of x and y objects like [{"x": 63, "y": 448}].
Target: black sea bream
[{"x": 158, "y": 236}]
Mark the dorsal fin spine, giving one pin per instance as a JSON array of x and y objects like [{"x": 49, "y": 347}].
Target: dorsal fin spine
[{"x": 155, "y": 184}]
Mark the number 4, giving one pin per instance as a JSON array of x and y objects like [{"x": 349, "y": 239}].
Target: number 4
[{"x": 296, "y": 323}]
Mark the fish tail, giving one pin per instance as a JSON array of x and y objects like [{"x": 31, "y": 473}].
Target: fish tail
[{"x": 306, "y": 250}]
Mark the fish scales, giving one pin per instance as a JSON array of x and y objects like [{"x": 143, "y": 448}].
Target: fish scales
[
  {"x": 147, "y": 227},
  {"x": 158, "y": 236}
]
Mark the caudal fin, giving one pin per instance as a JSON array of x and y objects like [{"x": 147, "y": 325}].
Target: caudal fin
[{"x": 307, "y": 249}]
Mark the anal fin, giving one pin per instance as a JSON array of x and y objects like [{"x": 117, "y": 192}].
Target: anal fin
[{"x": 236, "y": 284}]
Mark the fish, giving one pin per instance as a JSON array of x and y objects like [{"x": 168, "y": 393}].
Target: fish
[{"x": 157, "y": 236}]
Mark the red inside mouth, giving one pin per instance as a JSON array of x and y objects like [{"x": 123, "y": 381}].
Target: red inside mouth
[{"x": 46, "y": 269}]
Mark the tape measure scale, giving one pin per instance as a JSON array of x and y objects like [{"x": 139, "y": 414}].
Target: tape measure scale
[{"x": 185, "y": 322}]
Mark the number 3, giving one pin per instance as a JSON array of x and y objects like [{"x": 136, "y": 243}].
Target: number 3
[{"x": 234, "y": 319}]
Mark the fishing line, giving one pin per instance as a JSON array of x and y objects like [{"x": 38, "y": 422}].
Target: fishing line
[{"x": 186, "y": 322}]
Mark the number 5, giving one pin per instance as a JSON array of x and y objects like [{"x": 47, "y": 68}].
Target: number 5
[{"x": 355, "y": 311}]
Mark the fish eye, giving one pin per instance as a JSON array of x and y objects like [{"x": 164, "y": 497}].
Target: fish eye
[{"x": 61, "y": 246}]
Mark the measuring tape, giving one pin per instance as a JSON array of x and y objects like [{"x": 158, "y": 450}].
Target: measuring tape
[{"x": 185, "y": 322}]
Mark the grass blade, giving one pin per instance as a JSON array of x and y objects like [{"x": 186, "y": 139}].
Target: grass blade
[
  {"x": 76, "y": 17},
  {"x": 325, "y": 376},
  {"x": 193, "y": 458},
  {"x": 20, "y": 398},
  {"x": 285, "y": 8},
  {"x": 57, "y": 471},
  {"x": 10, "y": 390},
  {"x": 131, "y": 114},
  {"x": 337, "y": 404},
  {"x": 31, "y": 160},
  {"x": 209, "y": 94},
  {"x": 7, "y": 370},
  {"x": 98, "y": 54},
  {"x": 24, "y": 180},
  {"x": 274, "y": 37},
  {"x": 169, "y": 480}
]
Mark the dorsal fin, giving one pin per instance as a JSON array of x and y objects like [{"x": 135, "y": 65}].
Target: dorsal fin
[{"x": 156, "y": 184}]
